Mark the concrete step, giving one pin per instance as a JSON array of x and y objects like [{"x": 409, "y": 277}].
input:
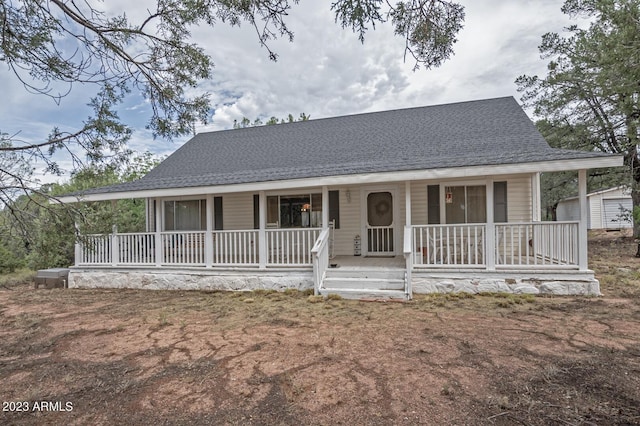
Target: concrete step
[
  {"x": 365, "y": 294},
  {"x": 397, "y": 274},
  {"x": 331, "y": 282}
]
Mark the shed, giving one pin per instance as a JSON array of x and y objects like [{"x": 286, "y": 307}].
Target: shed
[{"x": 607, "y": 209}]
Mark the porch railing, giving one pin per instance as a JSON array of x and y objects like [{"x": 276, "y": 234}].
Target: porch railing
[
  {"x": 291, "y": 247},
  {"x": 285, "y": 248},
  {"x": 320, "y": 254},
  {"x": 136, "y": 248},
  {"x": 235, "y": 248},
  {"x": 183, "y": 248},
  {"x": 515, "y": 245},
  {"x": 461, "y": 245},
  {"x": 543, "y": 244}
]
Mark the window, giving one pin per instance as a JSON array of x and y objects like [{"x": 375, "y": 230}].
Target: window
[
  {"x": 294, "y": 211},
  {"x": 466, "y": 203},
  {"x": 185, "y": 215}
]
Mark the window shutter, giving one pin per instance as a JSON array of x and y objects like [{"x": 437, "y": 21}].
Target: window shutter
[
  {"x": 217, "y": 213},
  {"x": 433, "y": 208},
  {"x": 499, "y": 202},
  {"x": 256, "y": 211},
  {"x": 334, "y": 208}
]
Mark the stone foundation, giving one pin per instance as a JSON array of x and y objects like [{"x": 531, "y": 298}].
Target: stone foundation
[
  {"x": 560, "y": 283},
  {"x": 584, "y": 285},
  {"x": 190, "y": 280}
]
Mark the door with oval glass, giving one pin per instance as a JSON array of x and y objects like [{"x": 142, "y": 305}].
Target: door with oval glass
[{"x": 379, "y": 223}]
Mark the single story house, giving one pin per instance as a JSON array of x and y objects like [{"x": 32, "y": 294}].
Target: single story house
[
  {"x": 378, "y": 205},
  {"x": 606, "y": 209}
]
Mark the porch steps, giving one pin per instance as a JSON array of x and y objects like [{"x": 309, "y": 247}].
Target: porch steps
[{"x": 379, "y": 284}]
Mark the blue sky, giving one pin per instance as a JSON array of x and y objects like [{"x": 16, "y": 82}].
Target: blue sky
[{"x": 325, "y": 72}]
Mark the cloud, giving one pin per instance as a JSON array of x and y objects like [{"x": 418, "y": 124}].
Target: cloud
[{"x": 325, "y": 72}]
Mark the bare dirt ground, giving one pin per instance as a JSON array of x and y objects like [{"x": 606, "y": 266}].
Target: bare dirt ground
[{"x": 154, "y": 357}]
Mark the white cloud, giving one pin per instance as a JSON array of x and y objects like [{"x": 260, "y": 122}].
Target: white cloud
[{"x": 325, "y": 72}]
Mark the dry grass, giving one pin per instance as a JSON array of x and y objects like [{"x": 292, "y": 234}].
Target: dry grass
[{"x": 189, "y": 357}]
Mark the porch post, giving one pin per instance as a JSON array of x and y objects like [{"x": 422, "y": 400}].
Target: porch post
[
  {"x": 77, "y": 249},
  {"x": 490, "y": 237},
  {"x": 158, "y": 227},
  {"x": 115, "y": 246},
  {"x": 535, "y": 197},
  {"x": 208, "y": 236},
  {"x": 407, "y": 203},
  {"x": 262, "y": 232},
  {"x": 582, "y": 226},
  {"x": 325, "y": 207}
]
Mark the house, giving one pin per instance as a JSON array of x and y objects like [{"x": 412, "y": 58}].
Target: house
[
  {"x": 377, "y": 205},
  {"x": 606, "y": 209}
]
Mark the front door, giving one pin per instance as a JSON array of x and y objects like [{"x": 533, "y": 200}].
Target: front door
[{"x": 379, "y": 223}]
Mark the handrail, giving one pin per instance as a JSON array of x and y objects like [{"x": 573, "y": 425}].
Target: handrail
[{"x": 320, "y": 255}]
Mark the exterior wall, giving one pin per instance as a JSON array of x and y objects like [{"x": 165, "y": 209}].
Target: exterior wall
[
  {"x": 349, "y": 220},
  {"x": 569, "y": 210},
  {"x": 596, "y": 206},
  {"x": 519, "y": 204},
  {"x": 237, "y": 211}
]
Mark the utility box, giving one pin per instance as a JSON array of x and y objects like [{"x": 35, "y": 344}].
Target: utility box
[
  {"x": 357, "y": 249},
  {"x": 52, "y": 278}
]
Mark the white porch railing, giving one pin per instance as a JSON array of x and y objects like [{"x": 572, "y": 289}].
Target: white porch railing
[
  {"x": 320, "y": 254},
  {"x": 380, "y": 240},
  {"x": 291, "y": 247},
  {"x": 183, "y": 248},
  {"x": 285, "y": 247},
  {"x": 136, "y": 248},
  {"x": 537, "y": 244},
  {"x": 461, "y": 245},
  {"x": 235, "y": 248},
  {"x": 528, "y": 245},
  {"x": 94, "y": 250}
]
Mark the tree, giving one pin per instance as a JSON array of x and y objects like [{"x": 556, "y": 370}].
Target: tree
[
  {"x": 245, "y": 122},
  {"x": 53, "y": 47},
  {"x": 590, "y": 96},
  {"x": 39, "y": 235}
]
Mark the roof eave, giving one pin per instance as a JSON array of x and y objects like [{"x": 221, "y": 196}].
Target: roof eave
[{"x": 363, "y": 178}]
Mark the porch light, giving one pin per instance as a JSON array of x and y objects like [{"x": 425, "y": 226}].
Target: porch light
[{"x": 347, "y": 194}]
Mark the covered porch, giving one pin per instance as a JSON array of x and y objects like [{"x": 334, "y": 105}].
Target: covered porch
[{"x": 338, "y": 227}]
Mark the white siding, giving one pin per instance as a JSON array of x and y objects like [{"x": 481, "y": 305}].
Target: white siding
[
  {"x": 349, "y": 220},
  {"x": 518, "y": 198},
  {"x": 570, "y": 209},
  {"x": 237, "y": 211}
]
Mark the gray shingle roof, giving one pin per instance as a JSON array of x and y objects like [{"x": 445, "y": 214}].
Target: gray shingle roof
[{"x": 475, "y": 133}]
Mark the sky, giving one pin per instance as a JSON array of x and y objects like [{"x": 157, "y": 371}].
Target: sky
[{"x": 324, "y": 72}]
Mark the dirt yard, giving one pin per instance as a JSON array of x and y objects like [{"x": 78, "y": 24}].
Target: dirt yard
[{"x": 155, "y": 357}]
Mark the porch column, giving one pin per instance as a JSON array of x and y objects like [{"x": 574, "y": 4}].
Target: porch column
[
  {"x": 115, "y": 245},
  {"x": 582, "y": 226},
  {"x": 325, "y": 207},
  {"x": 77, "y": 248},
  {"x": 262, "y": 232},
  {"x": 208, "y": 236},
  {"x": 158, "y": 228},
  {"x": 407, "y": 203},
  {"x": 535, "y": 197},
  {"x": 490, "y": 237}
]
